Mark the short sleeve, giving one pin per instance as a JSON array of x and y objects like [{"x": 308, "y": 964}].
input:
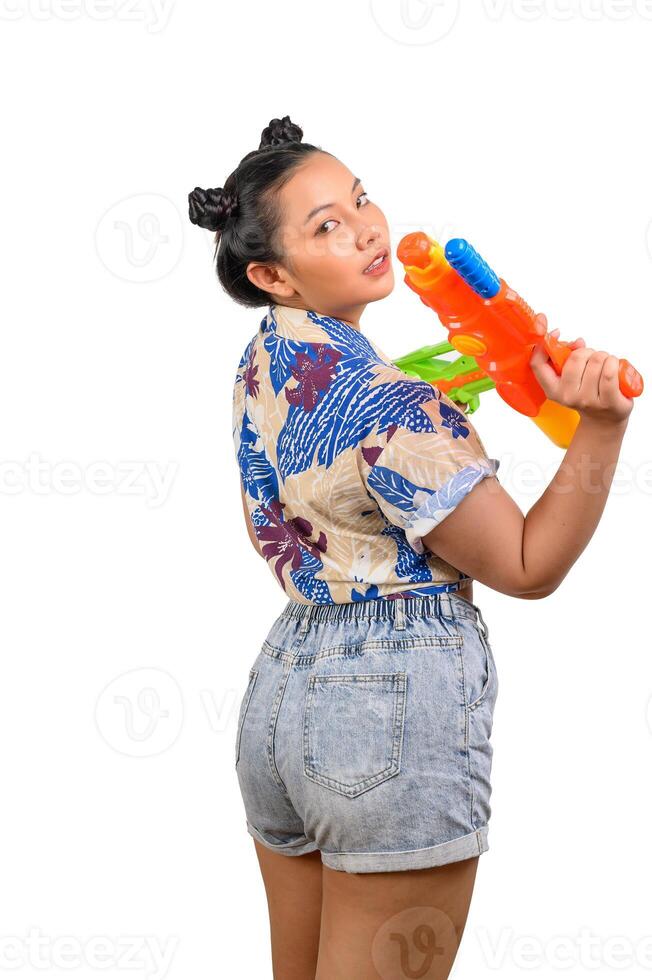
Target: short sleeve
[{"x": 422, "y": 458}]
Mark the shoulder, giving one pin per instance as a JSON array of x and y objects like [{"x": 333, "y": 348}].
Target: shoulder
[{"x": 415, "y": 418}]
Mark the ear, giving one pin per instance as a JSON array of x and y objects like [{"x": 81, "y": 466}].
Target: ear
[{"x": 270, "y": 279}]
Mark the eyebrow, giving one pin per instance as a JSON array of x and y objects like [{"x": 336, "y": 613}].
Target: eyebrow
[{"x": 322, "y": 206}]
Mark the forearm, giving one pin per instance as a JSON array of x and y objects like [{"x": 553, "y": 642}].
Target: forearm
[{"x": 561, "y": 523}]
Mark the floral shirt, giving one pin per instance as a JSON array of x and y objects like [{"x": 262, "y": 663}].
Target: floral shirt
[{"x": 347, "y": 462}]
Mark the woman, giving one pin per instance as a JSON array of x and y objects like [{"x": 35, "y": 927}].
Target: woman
[{"x": 363, "y": 742}]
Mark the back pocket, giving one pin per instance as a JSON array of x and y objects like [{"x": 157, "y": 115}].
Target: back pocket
[{"x": 353, "y": 730}]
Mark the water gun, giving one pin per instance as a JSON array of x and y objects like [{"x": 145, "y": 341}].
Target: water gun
[
  {"x": 489, "y": 322},
  {"x": 461, "y": 379}
]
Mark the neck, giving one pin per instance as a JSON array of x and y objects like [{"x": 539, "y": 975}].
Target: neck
[
  {"x": 347, "y": 314},
  {"x": 351, "y": 315}
]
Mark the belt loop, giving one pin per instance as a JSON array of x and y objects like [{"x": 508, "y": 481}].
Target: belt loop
[
  {"x": 305, "y": 620},
  {"x": 399, "y": 613},
  {"x": 444, "y": 607},
  {"x": 485, "y": 628}
]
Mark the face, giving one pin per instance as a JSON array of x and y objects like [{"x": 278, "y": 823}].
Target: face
[{"x": 330, "y": 232}]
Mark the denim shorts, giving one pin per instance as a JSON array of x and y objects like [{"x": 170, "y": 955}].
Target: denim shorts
[{"x": 364, "y": 732}]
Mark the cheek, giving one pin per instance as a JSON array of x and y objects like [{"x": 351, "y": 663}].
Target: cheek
[
  {"x": 332, "y": 250},
  {"x": 377, "y": 218},
  {"x": 316, "y": 263}
]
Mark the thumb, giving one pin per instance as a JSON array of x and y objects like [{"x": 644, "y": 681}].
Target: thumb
[{"x": 544, "y": 371}]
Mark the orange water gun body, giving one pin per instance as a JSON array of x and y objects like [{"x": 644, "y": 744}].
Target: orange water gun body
[{"x": 489, "y": 321}]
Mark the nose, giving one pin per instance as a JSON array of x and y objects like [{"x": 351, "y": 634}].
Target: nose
[{"x": 367, "y": 236}]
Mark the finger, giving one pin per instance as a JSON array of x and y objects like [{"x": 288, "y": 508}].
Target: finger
[
  {"x": 544, "y": 371},
  {"x": 571, "y": 343},
  {"x": 609, "y": 382},
  {"x": 573, "y": 371},
  {"x": 542, "y": 319},
  {"x": 589, "y": 387}
]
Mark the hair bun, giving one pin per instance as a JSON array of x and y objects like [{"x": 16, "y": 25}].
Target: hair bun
[
  {"x": 211, "y": 208},
  {"x": 280, "y": 131}
]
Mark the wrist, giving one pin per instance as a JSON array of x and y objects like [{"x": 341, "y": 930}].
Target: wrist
[{"x": 606, "y": 428}]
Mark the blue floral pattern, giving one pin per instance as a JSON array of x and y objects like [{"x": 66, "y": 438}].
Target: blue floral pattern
[{"x": 346, "y": 462}]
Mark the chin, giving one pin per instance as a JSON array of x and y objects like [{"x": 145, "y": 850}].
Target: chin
[{"x": 382, "y": 288}]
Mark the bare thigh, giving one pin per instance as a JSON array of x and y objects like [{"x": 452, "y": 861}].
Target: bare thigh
[
  {"x": 294, "y": 888},
  {"x": 394, "y": 925}
]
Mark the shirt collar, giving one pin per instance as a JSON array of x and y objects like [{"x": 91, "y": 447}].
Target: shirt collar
[{"x": 296, "y": 324}]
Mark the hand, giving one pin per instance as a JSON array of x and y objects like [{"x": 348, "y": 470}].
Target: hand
[{"x": 588, "y": 381}]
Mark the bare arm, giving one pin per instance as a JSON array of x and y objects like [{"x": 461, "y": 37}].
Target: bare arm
[{"x": 488, "y": 537}]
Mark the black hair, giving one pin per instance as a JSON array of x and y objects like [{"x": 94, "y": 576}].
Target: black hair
[{"x": 244, "y": 214}]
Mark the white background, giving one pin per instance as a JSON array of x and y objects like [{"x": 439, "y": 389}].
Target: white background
[{"x": 132, "y": 609}]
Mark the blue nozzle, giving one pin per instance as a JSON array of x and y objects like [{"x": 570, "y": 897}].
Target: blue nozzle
[{"x": 472, "y": 268}]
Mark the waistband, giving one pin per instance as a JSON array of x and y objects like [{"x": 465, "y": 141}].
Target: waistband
[{"x": 444, "y": 604}]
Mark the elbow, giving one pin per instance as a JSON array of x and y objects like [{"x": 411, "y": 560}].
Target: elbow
[
  {"x": 542, "y": 594},
  {"x": 514, "y": 580},
  {"x": 537, "y": 583},
  {"x": 539, "y": 590},
  {"x": 521, "y": 593},
  {"x": 520, "y": 588},
  {"x": 525, "y": 583}
]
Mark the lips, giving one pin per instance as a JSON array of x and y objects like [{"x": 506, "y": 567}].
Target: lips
[{"x": 379, "y": 255}]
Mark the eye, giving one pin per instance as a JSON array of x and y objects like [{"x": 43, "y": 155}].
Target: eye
[{"x": 322, "y": 228}]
